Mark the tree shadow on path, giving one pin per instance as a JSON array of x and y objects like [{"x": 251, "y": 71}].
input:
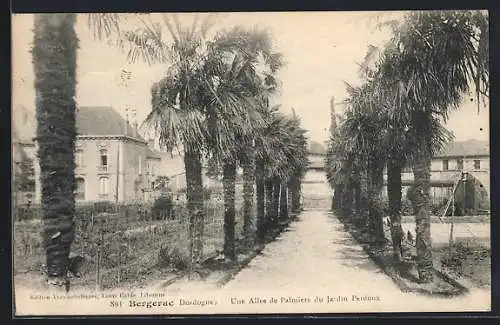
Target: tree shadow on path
[{"x": 354, "y": 256}]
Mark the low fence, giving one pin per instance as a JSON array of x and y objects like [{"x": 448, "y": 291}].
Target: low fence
[{"x": 123, "y": 243}]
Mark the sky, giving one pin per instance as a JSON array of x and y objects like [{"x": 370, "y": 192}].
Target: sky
[{"x": 321, "y": 51}]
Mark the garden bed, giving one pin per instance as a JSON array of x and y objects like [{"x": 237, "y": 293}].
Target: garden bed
[
  {"x": 404, "y": 274},
  {"x": 217, "y": 271},
  {"x": 134, "y": 254},
  {"x": 469, "y": 260}
]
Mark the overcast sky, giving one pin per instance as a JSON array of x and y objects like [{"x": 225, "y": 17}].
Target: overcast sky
[{"x": 321, "y": 51}]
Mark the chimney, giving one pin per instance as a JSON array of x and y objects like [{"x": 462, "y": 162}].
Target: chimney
[{"x": 136, "y": 132}]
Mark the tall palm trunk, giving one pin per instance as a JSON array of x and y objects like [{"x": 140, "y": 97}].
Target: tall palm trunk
[
  {"x": 194, "y": 194},
  {"x": 276, "y": 199},
  {"x": 357, "y": 200},
  {"x": 248, "y": 199},
  {"x": 420, "y": 197},
  {"x": 295, "y": 192},
  {"x": 364, "y": 203},
  {"x": 348, "y": 200},
  {"x": 337, "y": 197},
  {"x": 289, "y": 190},
  {"x": 54, "y": 58},
  {"x": 394, "y": 188},
  {"x": 229, "y": 184},
  {"x": 284, "y": 201},
  {"x": 260, "y": 193},
  {"x": 376, "y": 183},
  {"x": 269, "y": 201}
]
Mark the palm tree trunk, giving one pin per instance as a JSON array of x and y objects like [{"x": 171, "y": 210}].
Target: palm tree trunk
[
  {"x": 295, "y": 192},
  {"x": 363, "y": 189},
  {"x": 337, "y": 197},
  {"x": 260, "y": 193},
  {"x": 420, "y": 198},
  {"x": 375, "y": 194},
  {"x": 194, "y": 194},
  {"x": 394, "y": 188},
  {"x": 248, "y": 200},
  {"x": 276, "y": 199},
  {"x": 348, "y": 200},
  {"x": 284, "y": 201},
  {"x": 269, "y": 201},
  {"x": 289, "y": 196},
  {"x": 229, "y": 184},
  {"x": 357, "y": 200},
  {"x": 54, "y": 58}
]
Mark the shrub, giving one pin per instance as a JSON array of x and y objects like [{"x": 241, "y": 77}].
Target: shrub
[
  {"x": 103, "y": 207},
  {"x": 406, "y": 209},
  {"x": 162, "y": 207},
  {"x": 174, "y": 258}
]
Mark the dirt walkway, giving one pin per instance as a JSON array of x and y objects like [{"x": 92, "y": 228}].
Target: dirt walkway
[{"x": 316, "y": 256}]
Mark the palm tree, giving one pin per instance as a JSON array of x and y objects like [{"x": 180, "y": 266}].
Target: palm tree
[
  {"x": 396, "y": 144},
  {"x": 432, "y": 61},
  {"x": 180, "y": 99},
  {"x": 234, "y": 114},
  {"x": 362, "y": 132},
  {"x": 273, "y": 155},
  {"x": 297, "y": 166},
  {"x": 179, "y": 103},
  {"x": 300, "y": 162},
  {"x": 54, "y": 58}
]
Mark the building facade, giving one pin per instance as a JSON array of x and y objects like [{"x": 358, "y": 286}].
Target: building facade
[
  {"x": 472, "y": 157},
  {"x": 113, "y": 162}
]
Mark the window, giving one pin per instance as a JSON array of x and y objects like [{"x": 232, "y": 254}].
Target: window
[
  {"x": 477, "y": 164},
  {"x": 460, "y": 164},
  {"x": 445, "y": 164},
  {"x": 103, "y": 186},
  {"x": 79, "y": 158},
  {"x": 103, "y": 160},
  {"x": 139, "y": 164},
  {"x": 80, "y": 189}
]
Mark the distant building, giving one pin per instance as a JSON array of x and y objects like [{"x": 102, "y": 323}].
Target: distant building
[
  {"x": 472, "y": 156},
  {"x": 316, "y": 169},
  {"x": 113, "y": 162}
]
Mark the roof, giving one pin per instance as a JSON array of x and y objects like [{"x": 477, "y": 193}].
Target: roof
[
  {"x": 102, "y": 120},
  {"x": 470, "y": 147},
  {"x": 90, "y": 120}
]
